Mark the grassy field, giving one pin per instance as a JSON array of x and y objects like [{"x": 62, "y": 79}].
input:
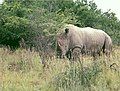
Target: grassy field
[{"x": 23, "y": 71}]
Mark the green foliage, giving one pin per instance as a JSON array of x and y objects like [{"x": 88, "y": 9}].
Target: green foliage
[
  {"x": 12, "y": 30},
  {"x": 29, "y": 19},
  {"x": 13, "y": 23}
]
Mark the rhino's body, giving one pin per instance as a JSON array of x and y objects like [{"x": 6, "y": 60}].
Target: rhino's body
[{"x": 87, "y": 39}]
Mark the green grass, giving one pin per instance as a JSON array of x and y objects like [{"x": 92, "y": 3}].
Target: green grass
[{"x": 23, "y": 71}]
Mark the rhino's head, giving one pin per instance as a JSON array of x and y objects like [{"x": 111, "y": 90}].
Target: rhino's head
[{"x": 63, "y": 42}]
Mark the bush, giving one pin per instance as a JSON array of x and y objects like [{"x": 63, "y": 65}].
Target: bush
[
  {"x": 13, "y": 30},
  {"x": 30, "y": 19}
]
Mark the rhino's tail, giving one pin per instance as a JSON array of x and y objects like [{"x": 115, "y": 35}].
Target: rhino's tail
[
  {"x": 103, "y": 47},
  {"x": 107, "y": 47}
]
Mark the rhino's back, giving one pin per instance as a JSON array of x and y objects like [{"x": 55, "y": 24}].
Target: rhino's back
[
  {"x": 93, "y": 35},
  {"x": 88, "y": 37}
]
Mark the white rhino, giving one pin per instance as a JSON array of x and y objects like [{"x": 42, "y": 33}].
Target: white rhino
[{"x": 87, "y": 39}]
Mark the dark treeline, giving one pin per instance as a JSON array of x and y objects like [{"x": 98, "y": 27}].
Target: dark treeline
[{"x": 37, "y": 21}]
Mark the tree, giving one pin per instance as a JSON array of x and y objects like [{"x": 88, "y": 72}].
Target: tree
[{"x": 29, "y": 19}]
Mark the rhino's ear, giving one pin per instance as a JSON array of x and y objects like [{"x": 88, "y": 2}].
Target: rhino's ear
[{"x": 66, "y": 30}]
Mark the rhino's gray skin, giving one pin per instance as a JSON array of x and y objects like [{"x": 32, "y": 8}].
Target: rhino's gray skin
[{"x": 87, "y": 39}]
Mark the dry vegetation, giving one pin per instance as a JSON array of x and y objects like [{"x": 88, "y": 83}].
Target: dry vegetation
[{"x": 23, "y": 71}]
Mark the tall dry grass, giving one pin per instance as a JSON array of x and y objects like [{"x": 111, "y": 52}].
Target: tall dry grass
[{"x": 23, "y": 71}]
